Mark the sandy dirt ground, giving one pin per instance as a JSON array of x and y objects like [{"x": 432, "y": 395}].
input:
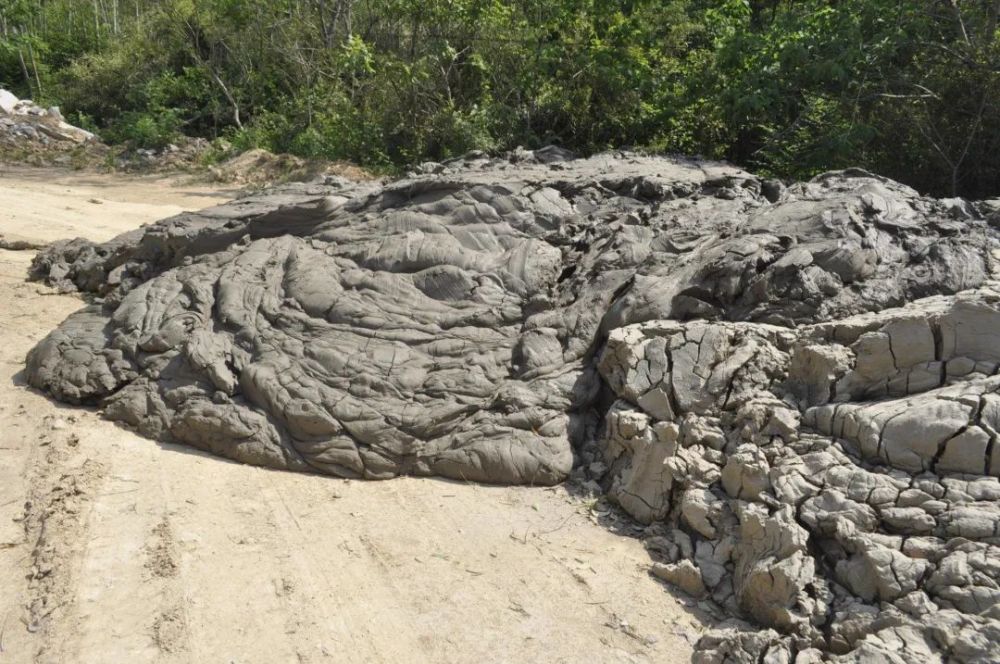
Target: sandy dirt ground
[{"x": 115, "y": 548}]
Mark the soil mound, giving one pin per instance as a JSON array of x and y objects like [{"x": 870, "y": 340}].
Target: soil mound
[
  {"x": 796, "y": 387},
  {"x": 259, "y": 168}
]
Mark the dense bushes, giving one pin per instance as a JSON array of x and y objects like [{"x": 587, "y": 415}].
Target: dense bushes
[{"x": 910, "y": 88}]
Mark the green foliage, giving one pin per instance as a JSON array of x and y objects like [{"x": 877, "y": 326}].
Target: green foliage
[
  {"x": 146, "y": 129},
  {"x": 909, "y": 88}
]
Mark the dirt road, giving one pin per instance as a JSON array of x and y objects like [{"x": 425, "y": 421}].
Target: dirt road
[{"x": 114, "y": 548}]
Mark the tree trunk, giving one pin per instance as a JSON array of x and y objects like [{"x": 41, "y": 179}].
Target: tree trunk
[
  {"x": 24, "y": 69},
  {"x": 228, "y": 95},
  {"x": 34, "y": 67}
]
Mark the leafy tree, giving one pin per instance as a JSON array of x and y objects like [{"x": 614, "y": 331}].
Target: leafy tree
[{"x": 909, "y": 88}]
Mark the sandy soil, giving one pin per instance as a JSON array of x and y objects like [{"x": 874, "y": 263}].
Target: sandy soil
[
  {"x": 42, "y": 205},
  {"x": 114, "y": 548}
]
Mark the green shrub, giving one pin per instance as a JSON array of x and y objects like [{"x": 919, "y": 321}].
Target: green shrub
[
  {"x": 146, "y": 130},
  {"x": 904, "y": 87}
]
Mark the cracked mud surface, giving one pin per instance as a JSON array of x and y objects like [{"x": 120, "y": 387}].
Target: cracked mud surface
[
  {"x": 795, "y": 386},
  {"x": 169, "y": 555}
]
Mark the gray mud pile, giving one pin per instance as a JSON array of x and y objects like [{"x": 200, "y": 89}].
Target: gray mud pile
[{"x": 797, "y": 388}]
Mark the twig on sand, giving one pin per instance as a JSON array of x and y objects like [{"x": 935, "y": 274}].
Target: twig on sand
[
  {"x": 3, "y": 629},
  {"x": 557, "y": 528}
]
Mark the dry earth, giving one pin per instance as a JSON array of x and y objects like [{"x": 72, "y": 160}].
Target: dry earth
[{"x": 115, "y": 548}]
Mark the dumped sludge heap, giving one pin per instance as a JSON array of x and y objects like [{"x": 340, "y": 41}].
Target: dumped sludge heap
[{"x": 796, "y": 387}]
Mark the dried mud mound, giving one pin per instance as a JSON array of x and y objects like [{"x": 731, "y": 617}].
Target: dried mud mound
[{"x": 797, "y": 388}]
